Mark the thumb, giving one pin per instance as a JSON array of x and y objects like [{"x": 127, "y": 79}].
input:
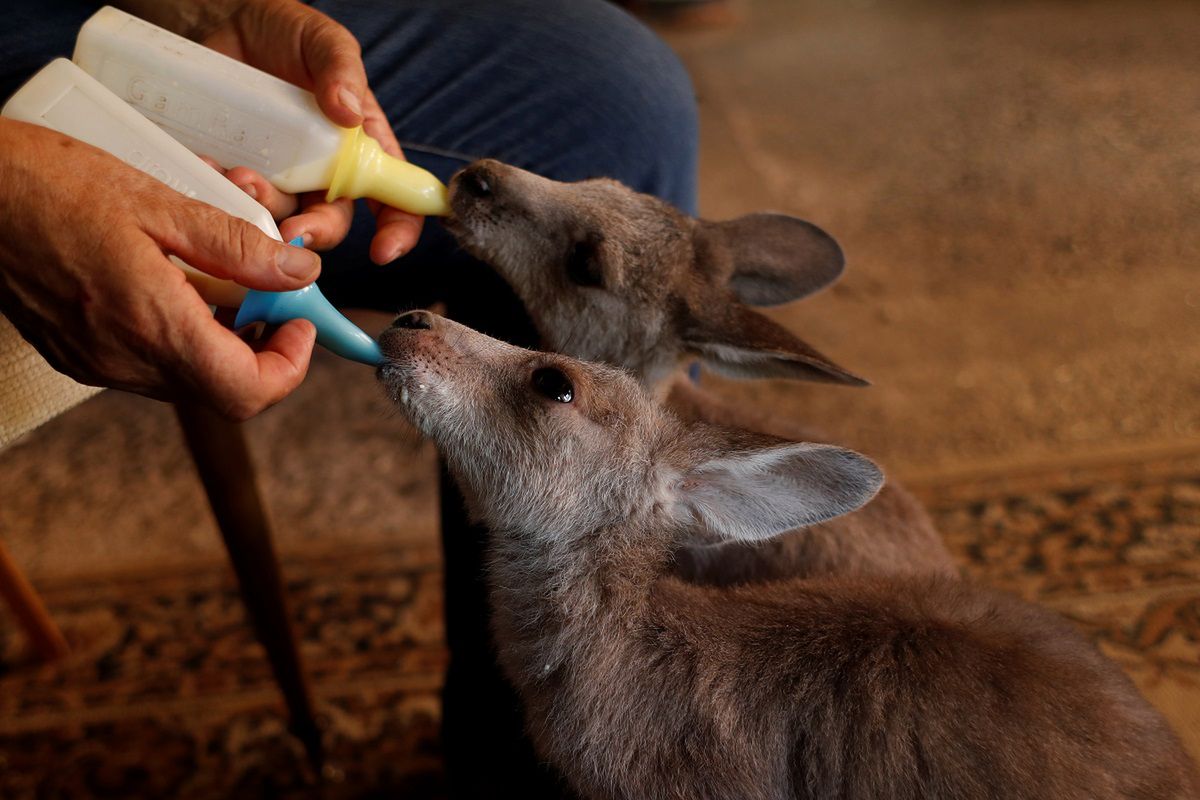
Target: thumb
[
  {"x": 333, "y": 58},
  {"x": 230, "y": 248}
]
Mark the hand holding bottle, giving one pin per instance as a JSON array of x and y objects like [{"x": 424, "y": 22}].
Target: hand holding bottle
[
  {"x": 84, "y": 276},
  {"x": 304, "y": 47}
]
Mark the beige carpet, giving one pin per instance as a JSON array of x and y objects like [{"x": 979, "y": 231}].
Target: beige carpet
[{"x": 1016, "y": 186}]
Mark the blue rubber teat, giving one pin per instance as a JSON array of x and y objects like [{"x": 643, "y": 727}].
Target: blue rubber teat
[{"x": 334, "y": 332}]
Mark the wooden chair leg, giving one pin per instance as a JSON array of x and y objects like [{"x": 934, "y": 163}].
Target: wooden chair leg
[
  {"x": 44, "y": 636},
  {"x": 219, "y": 450}
]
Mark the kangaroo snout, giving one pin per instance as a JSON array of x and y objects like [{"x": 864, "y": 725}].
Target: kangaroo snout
[
  {"x": 405, "y": 350},
  {"x": 428, "y": 365},
  {"x": 476, "y": 185},
  {"x": 398, "y": 340},
  {"x": 476, "y": 182},
  {"x": 414, "y": 320},
  {"x": 427, "y": 356}
]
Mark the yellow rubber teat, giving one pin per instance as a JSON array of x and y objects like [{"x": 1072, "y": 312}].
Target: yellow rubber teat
[{"x": 364, "y": 170}]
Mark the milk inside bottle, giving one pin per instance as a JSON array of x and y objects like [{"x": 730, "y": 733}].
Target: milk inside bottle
[{"x": 241, "y": 116}]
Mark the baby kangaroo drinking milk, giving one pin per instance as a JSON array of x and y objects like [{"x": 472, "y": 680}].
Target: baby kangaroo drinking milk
[
  {"x": 611, "y": 275},
  {"x": 638, "y": 685}
]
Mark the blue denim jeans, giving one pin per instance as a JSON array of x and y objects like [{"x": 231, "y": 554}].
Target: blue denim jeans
[{"x": 566, "y": 88}]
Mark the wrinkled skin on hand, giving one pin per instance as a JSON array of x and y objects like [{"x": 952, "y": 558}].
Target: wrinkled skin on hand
[{"x": 85, "y": 278}]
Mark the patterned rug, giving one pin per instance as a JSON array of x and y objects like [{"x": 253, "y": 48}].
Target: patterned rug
[
  {"x": 1113, "y": 547},
  {"x": 167, "y": 694}
]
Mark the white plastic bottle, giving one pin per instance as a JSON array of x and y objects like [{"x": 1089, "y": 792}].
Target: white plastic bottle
[
  {"x": 66, "y": 99},
  {"x": 241, "y": 116}
]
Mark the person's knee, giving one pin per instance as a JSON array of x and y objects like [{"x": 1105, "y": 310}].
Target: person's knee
[
  {"x": 568, "y": 88},
  {"x": 641, "y": 122},
  {"x": 661, "y": 146}
]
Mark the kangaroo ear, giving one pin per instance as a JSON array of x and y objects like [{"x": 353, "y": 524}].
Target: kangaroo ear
[
  {"x": 741, "y": 343},
  {"x": 776, "y": 258},
  {"x": 751, "y": 494}
]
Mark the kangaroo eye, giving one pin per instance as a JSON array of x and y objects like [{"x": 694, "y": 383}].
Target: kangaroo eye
[
  {"x": 550, "y": 382},
  {"x": 583, "y": 262}
]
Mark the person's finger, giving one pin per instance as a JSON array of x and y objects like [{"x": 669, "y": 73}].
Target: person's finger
[
  {"x": 376, "y": 124},
  {"x": 334, "y": 60},
  {"x": 227, "y": 247},
  {"x": 396, "y": 233},
  {"x": 280, "y": 204},
  {"x": 322, "y": 225},
  {"x": 238, "y": 381},
  {"x": 283, "y": 360}
]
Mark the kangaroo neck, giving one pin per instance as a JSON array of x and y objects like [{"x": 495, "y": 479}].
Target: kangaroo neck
[{"x": 552, "y": 597}]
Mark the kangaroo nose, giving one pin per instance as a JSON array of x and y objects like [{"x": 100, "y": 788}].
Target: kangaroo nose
[
  {"x": 414, "y": 320},
  {"x": 477, "y": 182}
]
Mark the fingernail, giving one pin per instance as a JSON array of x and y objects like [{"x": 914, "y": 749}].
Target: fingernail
[
  {"x": 393, "y": 254},
  {"x": 296, "y": 262},
  {"x": 250, "y": 189},
  {"x": 350, "y": 100},
  {"x": 305, "y": 237}
]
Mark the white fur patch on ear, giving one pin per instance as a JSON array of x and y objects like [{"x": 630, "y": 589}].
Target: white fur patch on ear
[
  {"x": 740, "y": 362},
  {"x": 757, "y": 494},
  {"x": 742, "y": 343}
]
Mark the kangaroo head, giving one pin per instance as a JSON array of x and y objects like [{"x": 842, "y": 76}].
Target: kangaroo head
[
  {"x": 611, "y": 275},
  {"x": 550, "y": 446}
]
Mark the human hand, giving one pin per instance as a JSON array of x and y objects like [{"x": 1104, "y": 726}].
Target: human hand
[
  {"x": 303, "y": 46},
  {"x": 84, "y": 276}
]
